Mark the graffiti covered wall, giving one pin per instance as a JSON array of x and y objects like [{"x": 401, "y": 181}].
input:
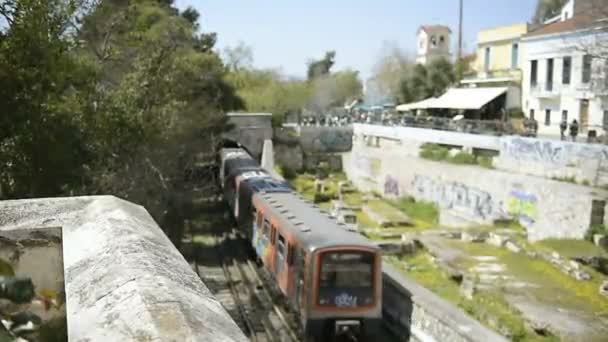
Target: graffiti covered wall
[
  {"x": 585, "y": 163},
  {"x": 474, "y": 202},
  {"x": 470, "y": 195}
]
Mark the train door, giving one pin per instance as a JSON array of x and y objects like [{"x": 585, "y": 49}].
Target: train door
[
  {"x": 300, "y": 272},
  {"x": 280, "y": 260},
  {"x": 270, "y": 253},
  {"x": 263, "y": 240}
]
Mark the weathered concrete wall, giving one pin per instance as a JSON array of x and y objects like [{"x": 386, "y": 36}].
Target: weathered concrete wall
[
  {"x": 586, "y": 163},
  {"x": 304, "y": 147},
  {"x": 474, "y": 195},
  {"x": 408, "y": 306},
  {"x": 250, "y": 130},
  {"x": 554, "y": 159},
  {"x": 124, "y": 280},
  {"x": 325, "y": 139},
  {"x": 429, "y": 136}
]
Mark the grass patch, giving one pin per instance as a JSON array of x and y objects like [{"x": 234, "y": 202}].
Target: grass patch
[
  {"x": 385, "y": 210},
  {"x": 440, "y": 153},
  {"x": 571, "y": 248},
  {"x": 490, "y": 307},
  {"x": 424, "y": 214},
  {"x": 556, "y": 288}
]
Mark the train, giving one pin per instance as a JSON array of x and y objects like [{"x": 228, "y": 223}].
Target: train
[{"x": 330, "y": 276}]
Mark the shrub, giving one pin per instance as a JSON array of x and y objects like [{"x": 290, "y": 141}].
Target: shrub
[
  {"x": 485, "y": 162},
  {"x": 595, "y": 229},
  {"x": 434, "y": 152},
  {"x": 463, "y": 158},
  {"x": 321, "y": 198}
]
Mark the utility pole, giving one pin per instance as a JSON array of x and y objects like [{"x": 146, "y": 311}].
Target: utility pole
[{"x": 459, "y": 60}]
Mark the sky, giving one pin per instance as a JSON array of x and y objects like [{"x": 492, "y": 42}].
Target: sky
[{"x": 286, "y": 34}]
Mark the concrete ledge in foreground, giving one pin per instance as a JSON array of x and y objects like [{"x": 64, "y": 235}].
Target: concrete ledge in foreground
[{"x": 124, "y": 279}]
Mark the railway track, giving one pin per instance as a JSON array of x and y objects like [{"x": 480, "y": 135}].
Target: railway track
[{"x": 236, "y": 281}]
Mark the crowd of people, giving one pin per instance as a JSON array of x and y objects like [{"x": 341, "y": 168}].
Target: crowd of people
[{"x": 569, "y": 131}]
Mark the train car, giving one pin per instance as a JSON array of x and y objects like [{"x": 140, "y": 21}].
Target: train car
[{"x": 331, "y": 277}]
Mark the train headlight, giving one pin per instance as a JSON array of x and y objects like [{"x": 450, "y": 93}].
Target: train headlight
[{"x": 323, "y": 301}]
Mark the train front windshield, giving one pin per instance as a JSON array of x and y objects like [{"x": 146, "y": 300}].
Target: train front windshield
[{"x": 346, "y": 279}]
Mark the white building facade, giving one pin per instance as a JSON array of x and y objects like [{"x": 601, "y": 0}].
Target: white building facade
[
  {"x": 562, "y": 80},
  {"x": 433, "y": 43}
]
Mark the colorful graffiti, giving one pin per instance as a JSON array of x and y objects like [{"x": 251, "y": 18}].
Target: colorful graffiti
[
  {"x": 391, "y": 186},
  {"x": 451, "y": 195},
  {"x": 552, "y": 152},
  {"x": 522, "y": 205}
]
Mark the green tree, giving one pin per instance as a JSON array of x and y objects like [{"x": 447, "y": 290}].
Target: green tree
[
  {"x": 427, "y": 81},
  {"x": 390, "y": 69},
  {"x": 42, "y": 147},
  {"x": 546, "y": 9},
  {"x": 322, "y": 67}
]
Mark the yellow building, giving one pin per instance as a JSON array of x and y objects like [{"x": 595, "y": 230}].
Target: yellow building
[{"x": 498, "y": 61}]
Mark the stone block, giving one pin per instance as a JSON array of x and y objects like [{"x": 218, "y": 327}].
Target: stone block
[
  {"x": 575, "y": 265},
  {"x": 497, "y": 239},
  {"x": 581, "y": 275},
  {"x": 604, "y": 288},
  {"x": 473, "y": 237},
  {"x": 468, "y": 287},
  {"x": 600, "y": 240},
  {"x": 513, "y": 247}
]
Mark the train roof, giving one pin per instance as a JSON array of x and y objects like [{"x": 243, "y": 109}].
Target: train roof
[{"x": 313, "y": 227}]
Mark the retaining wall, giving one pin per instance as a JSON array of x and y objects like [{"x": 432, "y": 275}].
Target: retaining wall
[
  {"x": 124, "y": 279},
  {"x": 552, "y": 159},
  {"x": 470, "y": 195},
  {"x": 409, "y": 307}
]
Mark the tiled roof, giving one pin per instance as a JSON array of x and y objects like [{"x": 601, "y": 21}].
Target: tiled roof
[{"x": 578, "y": 22}]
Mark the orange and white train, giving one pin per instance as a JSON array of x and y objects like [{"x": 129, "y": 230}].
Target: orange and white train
[{"x": 329, "y": 275}]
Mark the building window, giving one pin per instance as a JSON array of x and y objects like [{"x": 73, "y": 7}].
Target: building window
[
  {"x": 605, "y": 119},
  {"x": 547, "y": 117},
  {"x": 433, "y": 41},
  {"x": 533, "y": 73},
  {"x": 586, "y": 68},
  {"x": 514, "y": 56},
  {"x": 532, "y": 114},
  {"x": 564, "y": 115},
  {"x": 441, "y": 39},
  {"x": 566, "y": 70},
  {"x": 487, "y": 60},
  {"x": 549, "y": 85}
]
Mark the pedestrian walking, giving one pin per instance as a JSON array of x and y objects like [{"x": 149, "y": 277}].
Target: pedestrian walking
[
  {"x": 574, "y": 129},
  {"x": 563, "y": 126}
]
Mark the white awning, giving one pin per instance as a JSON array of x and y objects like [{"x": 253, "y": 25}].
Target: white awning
[
  {"x": 416, "y": 105},
  {"x": 467, "y": 98}
]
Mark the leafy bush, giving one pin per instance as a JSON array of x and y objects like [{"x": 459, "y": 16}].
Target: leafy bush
[
  {"x": 485, "y": 162},
  {"x": 321, "y": 198},
  {"x": 596, "y": 229},
  {"x": 434, "y": 152},
  {"x": 463, "y": 158}
]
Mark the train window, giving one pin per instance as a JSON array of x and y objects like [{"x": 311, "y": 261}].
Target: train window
[
  {"x": 281, "y": 246},
  {"x": 273, "y": 237},
  {"x": 290, "y": 254},
  {"x": 346, "y": 269},
  {"x": 260, "y": 218},
  {"x": 266, "y": 231}
]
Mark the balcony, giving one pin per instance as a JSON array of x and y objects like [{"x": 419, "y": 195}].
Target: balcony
[{"x": 544, "y": 90}]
